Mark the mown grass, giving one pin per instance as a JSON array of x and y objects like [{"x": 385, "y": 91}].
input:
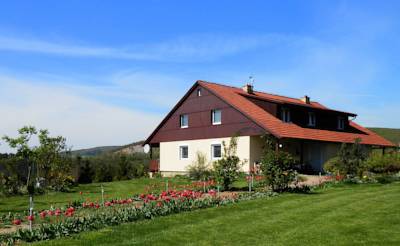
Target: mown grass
[
  {"x": 118, "y": 189},
  {"x": 347, "y": 215}
]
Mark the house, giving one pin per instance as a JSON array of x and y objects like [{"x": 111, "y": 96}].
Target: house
[{"x": 211, "y": 113}]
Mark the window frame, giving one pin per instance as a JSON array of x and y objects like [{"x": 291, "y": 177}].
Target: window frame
[
  {"x": 285, "y": 115},
  {"x": 341, "y": 123},
  {"x": 213, "y": 117},
  {"x": 213, "y": 151},
  {"x": 312, "y": 119},
  {"x": 198, "y": 92},
  {"x": 181, "y": 147},
  {"x": 181, "y": 121}
]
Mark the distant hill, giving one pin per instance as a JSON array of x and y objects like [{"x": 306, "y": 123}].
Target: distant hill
[
  {"x": 135, "y": 147},
  {"x": 390, "y": 134}
]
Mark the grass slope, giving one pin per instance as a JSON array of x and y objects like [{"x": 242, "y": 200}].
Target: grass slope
[
  {"x": 390, "y": 134},
  {"x": 348, "y": 215}
]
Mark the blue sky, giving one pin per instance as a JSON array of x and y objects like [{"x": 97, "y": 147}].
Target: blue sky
[{"x": 106, "y": 72}]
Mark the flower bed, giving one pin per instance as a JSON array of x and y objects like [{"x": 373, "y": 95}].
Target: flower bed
[{"x": 148, "y": 206}]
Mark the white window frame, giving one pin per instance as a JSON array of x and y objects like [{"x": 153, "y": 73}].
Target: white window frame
[
  {"x": 199, "y": 92},
  {"x": 312, "y": 119},
  {"x": 213, "y": 117},
  {"x": 212, "y": 151},
  {"x": 181, "y": 120},
  {"x": 285, "y": 114},
  {"x": 340, "y": 123},
  {"x": 181, "y": 152}
]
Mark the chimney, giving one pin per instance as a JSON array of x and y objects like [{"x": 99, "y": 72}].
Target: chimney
[
  {"x": 248, "y": 88},
  {"x": 305, "y": 99}
]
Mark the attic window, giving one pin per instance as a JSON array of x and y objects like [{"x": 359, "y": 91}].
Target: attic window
[
  {"x": 340, "y": 123},
  {"x": 216, "y": 116},
  {"x": 311, "y": 119},
  {"x": 285, "y": 114},
  {"x": 184, "y": 121},
  {"x": 199, "y": 92}
]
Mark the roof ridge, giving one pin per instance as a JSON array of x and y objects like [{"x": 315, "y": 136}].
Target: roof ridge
[{"x": 263, "y": 92}]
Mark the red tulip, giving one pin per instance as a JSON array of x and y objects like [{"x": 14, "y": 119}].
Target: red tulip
[
  {"x": 159, "y": 204},
  {"x": 30, "y": 218},
  {"x": 16, "y": 222},
  {"x": 43, "y": 214}
]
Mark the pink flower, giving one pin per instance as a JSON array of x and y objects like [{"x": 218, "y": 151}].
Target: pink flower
[{"x": 30, "y": 218}]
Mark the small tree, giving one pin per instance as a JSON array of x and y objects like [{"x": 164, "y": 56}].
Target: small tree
[
  {"x": 277, "y": 166},
  {"x": 226, "y": 170},
  {"x": 349, "y": 160},
  {"x": 200, "y": 168}
]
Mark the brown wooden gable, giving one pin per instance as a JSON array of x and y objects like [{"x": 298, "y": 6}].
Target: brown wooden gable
[{"x": 199, "y": 110}]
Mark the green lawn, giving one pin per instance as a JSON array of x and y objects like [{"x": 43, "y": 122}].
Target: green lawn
[
  {"x": 118, "y": 189},
  {"x": 348, "y": 215}
]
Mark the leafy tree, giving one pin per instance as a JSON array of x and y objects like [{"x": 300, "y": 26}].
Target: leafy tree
[
  {"x": 24, "y": 151},
  {"x": 226, "y": 170},
  {"x": 48, "y": 160},
  {"x": 277, "y": 166}
]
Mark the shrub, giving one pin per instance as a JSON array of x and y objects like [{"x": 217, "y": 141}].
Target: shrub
[
  {"x": 227, "y": 169},
  {"x": 349, "y": 160},
  {"x": 199, "y": 169},
  {"x": 277, "y": 166},
  {"x": 388, "y": 163}
]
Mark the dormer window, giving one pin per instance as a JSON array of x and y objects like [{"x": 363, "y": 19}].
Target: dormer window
[
  {"x": 340, "y": 123},
  {"x": 184, "y": 121},
  {"x": 285, "y": 115},
  {"x": 216, "y": 117},
  {"x": 311, "y": 119},
  {"x": 199, "y": 92}
]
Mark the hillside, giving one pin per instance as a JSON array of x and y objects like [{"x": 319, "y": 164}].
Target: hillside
[
  {"x": 390, "y": 134},
  {"x": 135, "y": 147},
  {"x": 95, "y": 151}
]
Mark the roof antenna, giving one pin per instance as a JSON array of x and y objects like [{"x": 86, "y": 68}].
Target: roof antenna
[{"x": 251, "y": 80}]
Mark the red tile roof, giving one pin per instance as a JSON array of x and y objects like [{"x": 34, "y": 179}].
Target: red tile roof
[{"x": 235, "y": 97}]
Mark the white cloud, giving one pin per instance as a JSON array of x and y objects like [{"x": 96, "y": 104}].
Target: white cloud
[
  {"x": 186, "y": 48},
  {"x": 85, "y": 122}
]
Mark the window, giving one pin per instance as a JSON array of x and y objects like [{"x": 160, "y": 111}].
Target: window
[
  {"x": 183, "y": 152},
  {"x": 184, "y": 121},
  {"x": 216, "y": 117},
  {"x": 340, "y": 123},
  {"x": 216, "y": 151},
  {"x": 199, "y": 92},
  {"x": 285, "y": 115},
  {"x": 311, "y": 119}
]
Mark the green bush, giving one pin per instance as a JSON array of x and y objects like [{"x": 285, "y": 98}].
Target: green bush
[
  {"x": 349, "y": 160},
  {"x": 227, "y": 169},
  {"x": 277, "y": 166},
  {"x": 199, "y": 169},
  {"x": 383, "y": 164}
]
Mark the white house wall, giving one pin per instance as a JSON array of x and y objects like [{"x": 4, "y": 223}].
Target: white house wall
[{"x": 170, "y": 157}]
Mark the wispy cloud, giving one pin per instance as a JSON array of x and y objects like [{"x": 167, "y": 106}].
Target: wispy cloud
[
  {"x": 85, "y": 121},
  {"x": 187, "y": 48}
]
